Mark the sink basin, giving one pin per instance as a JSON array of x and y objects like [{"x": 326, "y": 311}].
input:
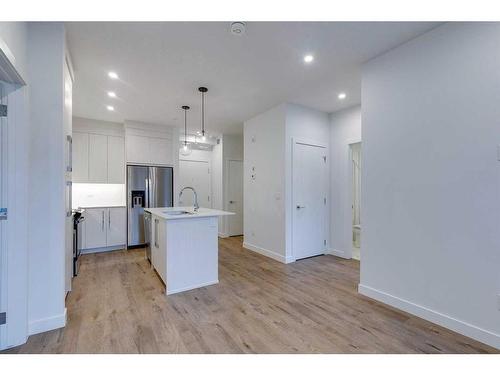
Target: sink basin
[{"x": 179, "y": 212}]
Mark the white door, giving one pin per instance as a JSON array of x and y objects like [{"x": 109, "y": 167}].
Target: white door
[
  {"x": 309, "y": 189},
  {"x": 116, "y": 160},
  {"x": 196, "y": 174},
  {"x": 98, "y": 158},
  {"x": 95, "y": 228},
  {"x": 117, "y": 226},
  {"x": 235, "y": 196}
]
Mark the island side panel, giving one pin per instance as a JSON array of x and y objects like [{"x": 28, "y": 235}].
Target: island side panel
[{"x": 191, "y": 253}]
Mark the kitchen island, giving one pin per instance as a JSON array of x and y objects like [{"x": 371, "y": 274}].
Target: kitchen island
[{"x": 184, "y": 246}]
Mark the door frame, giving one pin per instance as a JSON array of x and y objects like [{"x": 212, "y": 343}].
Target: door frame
[
  {"x": 348, "y": 204},
  {"x": 225, "y": 194},
  {"x": 14, "y": 246},
  {"x": 312, "y": 143}
]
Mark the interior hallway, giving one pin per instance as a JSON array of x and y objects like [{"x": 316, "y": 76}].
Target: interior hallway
[{"x": 259, "y": 306}]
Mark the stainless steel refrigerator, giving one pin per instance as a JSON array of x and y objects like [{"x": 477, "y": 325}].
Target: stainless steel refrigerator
[{"x": 146, "y": 187}]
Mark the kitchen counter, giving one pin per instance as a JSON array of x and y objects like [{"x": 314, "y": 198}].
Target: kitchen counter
[
  {"x": 191, "y": 214},
  {"x": 184, "y": 246}
]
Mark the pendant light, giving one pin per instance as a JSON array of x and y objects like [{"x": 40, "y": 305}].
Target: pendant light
[
  {"x": 186, "y": 150},
  {"x": 203, "y": 90}
]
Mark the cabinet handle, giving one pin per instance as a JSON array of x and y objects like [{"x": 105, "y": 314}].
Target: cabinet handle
[
  {"x": 102, "y": 220},
  {"x": 156, "y": 232},
  {"x": 109, "y": 219}
]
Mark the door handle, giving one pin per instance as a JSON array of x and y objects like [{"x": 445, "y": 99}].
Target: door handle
[
  {"x": 102, "y": 220},
  {"x": 299, "y": 207}
]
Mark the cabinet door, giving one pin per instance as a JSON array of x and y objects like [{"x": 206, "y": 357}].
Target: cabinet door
[
  {"x": 138, "y": 149},
  {"x": 80, "y": 157},
  {"x": 98, "y": 158},
  {"x": 117, "y": 226},
  {"x": 95, "y": 228},
  {"x": 160, "y": 151},
  {"x": 116, "y": 160}
]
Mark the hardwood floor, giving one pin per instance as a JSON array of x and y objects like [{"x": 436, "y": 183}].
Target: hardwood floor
[{"x": 259, "y": 306}]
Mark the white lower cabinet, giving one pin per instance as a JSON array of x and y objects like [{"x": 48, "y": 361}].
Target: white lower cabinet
[
  {"x": 104, "y": 227},
  {"x": 158, "y": 246}
]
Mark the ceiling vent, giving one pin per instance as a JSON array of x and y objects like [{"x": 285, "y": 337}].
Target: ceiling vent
[{"x": 238, "y": 28}]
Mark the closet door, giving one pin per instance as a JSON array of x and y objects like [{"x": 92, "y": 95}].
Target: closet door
[{"x": 98, "y": 158}]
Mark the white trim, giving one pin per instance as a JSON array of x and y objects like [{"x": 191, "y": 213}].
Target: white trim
[
  {"x": 47, "y": 324},
  {"x": 223, "y": 235},
  {"x": 104, "y": 249},
  {"x": 169, "y": 292},
  {"x": 268, "y": 253},
  {"x": 464, "y": 328},
  {"x": 338, "y": 253},
  {"x": 350, "y": 143}
]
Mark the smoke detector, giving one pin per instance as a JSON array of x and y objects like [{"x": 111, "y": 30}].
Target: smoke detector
[{"x": 238, "y": 28}]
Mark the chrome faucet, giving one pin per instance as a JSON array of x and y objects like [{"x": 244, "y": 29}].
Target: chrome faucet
[{"x": 196, "y": 206}]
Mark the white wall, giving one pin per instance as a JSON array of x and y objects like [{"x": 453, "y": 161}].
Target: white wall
[
  {"x": 14, "y": 37},
  {"x": 345, "y": 129},
  {"x": 431, "y": 178},
  {"x": 46, "y": 47},
  {"x": 304, "y": 124},
  {"x": 268, "y": 199},
  {"x": 264, "y": 210}
]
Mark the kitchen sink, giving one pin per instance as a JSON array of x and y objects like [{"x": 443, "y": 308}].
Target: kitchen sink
[{"x": 178, "y": 212}]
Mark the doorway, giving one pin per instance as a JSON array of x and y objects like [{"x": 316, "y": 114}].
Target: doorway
[
  {"x": 235, "y": 197},
  {"x": 355, "y": 151},
  {"x": 309, "y": 199},
  {"x": 196, "y": 173}
]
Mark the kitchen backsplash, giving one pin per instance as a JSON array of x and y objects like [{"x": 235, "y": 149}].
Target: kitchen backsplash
[{"x": 98, "y": 195}]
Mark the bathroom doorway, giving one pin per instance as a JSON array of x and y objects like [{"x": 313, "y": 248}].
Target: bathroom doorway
[{"x": 355, "y": 151}]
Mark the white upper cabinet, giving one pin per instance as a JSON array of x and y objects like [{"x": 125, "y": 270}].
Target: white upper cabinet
[
  {"x": 98, "y": 158},
  {"x": 161, "y": 151},
  {"x": 150, "y": 144},
  {"x": 137, "y": 149},
  {"x": 116, "y": 160},
  {"x": 80, "y": 157}
]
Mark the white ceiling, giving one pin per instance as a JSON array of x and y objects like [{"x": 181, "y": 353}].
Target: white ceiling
[{"x": 161, "y": 65}]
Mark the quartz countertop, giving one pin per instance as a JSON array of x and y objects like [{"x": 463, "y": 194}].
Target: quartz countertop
[{"x": 162, "y": 212}]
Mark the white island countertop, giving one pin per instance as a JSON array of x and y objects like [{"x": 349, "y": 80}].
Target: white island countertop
[{"x": 174, "y": 213}]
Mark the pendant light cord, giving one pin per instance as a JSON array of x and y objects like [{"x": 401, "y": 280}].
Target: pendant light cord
[
  {"x": 203, "y": 113},
  {"x": 185, "y": 127}
]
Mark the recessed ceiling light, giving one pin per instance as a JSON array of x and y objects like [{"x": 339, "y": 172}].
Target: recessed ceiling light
[
  {"x": 111, "y": 94},
  {"x": 113, "y": 75},
  {"x": 342, "y": 96},
  {"x": 308, "y": 58},
  {"x": 110, "y": 108}
]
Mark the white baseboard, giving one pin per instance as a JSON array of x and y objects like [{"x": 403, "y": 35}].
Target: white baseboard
[
  {"x": 104, "y": 249},
  {"x": 47, "y": 324},
  {"x": 169, "y": 292},
  {"x": 466, "y": 329},
  {"x": 268, "y": 253},
  {"x": 223, "y": 235},
  {"x": 338, "y": 253}
]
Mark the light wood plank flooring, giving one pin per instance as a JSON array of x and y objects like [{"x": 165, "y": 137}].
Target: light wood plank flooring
[{"x": 259, "y": 306}]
